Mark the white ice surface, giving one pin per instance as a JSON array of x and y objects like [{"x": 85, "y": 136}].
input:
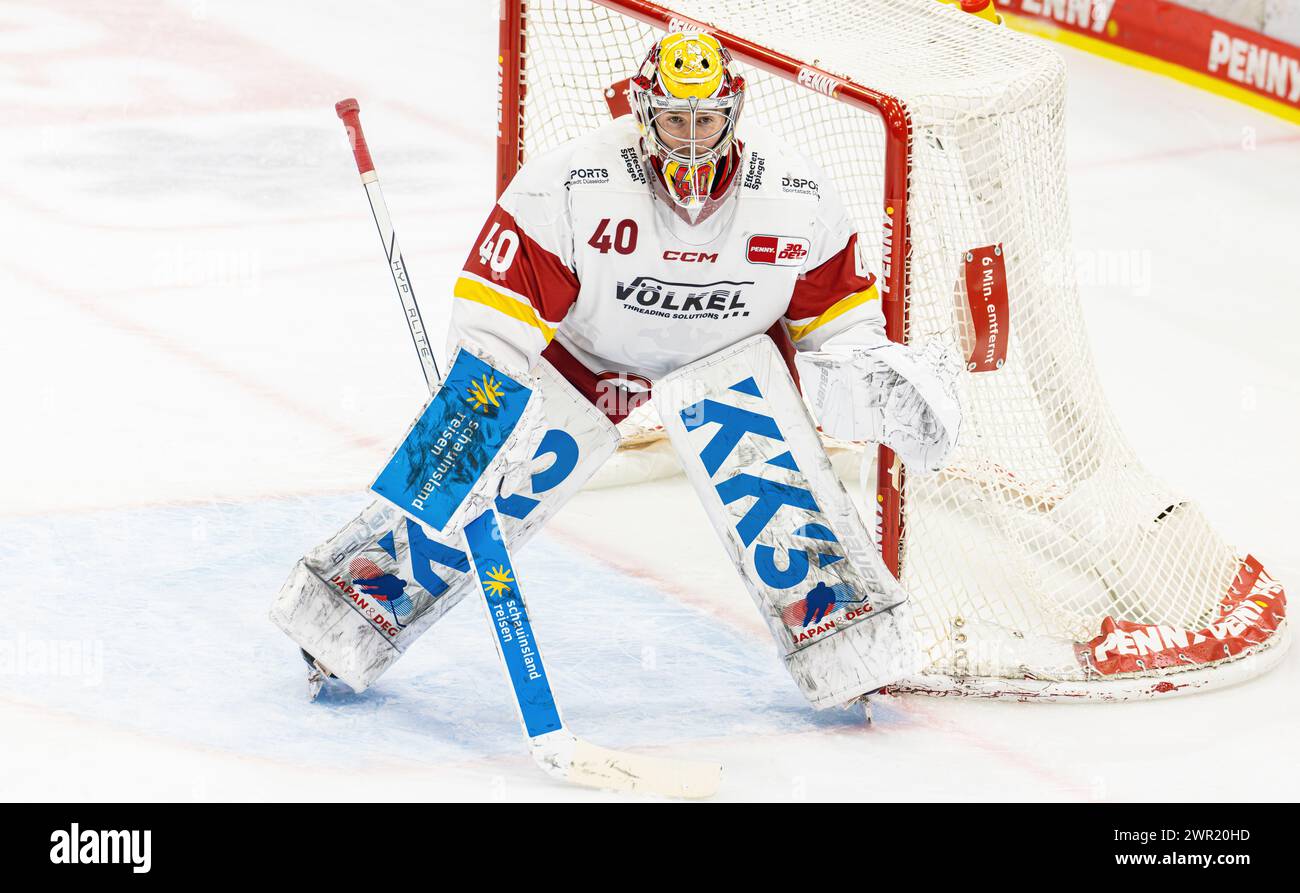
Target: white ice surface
[{"x": 204, "y": 364}]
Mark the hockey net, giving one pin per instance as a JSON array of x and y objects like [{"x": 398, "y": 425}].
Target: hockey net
[{"x": 1044, "y": 561}]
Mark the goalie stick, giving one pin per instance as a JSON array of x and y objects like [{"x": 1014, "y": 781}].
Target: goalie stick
[
  {"x": 553, "y": 746},
  {"x": 557, "y": 750},
  {"x": 350, "y": 112}
]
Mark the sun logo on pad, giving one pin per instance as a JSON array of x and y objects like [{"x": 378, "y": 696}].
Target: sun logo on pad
[
  {"x": 497, "y": 582},
  {"x": 485, "y": 393}
]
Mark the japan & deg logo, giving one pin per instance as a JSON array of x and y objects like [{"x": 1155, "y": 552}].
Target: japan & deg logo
[
  {"x": 377, "y": 582},
  {"x": 779, "y": 251},
  {"x": 820, "y": 602},
  {"x": 386, "y": 588}
]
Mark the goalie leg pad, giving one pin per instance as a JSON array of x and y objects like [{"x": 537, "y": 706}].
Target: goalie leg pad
[
  {"x": 357, "y": 601},
  {"x": 749, "y": 448}
]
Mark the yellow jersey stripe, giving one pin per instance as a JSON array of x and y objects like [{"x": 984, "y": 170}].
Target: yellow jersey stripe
[
  {"x": 836, "y": 310},
  {"x": 472, "y": 290}
]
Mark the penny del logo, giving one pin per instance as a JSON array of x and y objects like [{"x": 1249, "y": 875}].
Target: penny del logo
[
  {"x": 779, "y": 251},
  {"x": 90, "y": 847}
]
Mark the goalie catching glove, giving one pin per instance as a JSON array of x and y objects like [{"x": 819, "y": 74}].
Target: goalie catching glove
[{"x": 897, "y": 394}]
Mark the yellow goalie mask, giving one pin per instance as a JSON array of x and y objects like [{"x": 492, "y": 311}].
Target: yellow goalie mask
[{"x": 687, "y": 101}]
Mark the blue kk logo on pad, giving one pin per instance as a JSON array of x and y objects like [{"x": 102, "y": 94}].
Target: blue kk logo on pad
[
  {"x": 759, "y": 498},
  {"x": 456, "y": 437}
]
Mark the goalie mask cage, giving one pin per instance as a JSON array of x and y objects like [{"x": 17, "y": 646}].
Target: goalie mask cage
[{"x": 1044, "y": 561}]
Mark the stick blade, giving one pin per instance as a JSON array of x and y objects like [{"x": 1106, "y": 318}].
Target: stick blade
[{"x": 599, "y": 767}]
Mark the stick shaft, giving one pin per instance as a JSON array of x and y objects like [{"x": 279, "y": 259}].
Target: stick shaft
[
  {"x": 350, "y": 112},
  {"x": 553, "y": 746}
]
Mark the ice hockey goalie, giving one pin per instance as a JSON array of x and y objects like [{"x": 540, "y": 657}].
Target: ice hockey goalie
[{"x": 678, "y": 251}]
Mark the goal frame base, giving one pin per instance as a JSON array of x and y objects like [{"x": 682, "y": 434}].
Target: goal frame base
[{"x": 1128, "y": 687}]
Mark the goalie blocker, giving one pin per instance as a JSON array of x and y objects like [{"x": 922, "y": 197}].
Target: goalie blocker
[{"x": 752, "y": 453}]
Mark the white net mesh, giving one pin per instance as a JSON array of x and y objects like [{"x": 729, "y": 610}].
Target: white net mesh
[{"x": 1045, "y": 523}]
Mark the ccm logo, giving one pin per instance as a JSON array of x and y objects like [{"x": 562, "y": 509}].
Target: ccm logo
[
  {"x": 691, "y": 257},
  {"x": 780, "y": 251}
]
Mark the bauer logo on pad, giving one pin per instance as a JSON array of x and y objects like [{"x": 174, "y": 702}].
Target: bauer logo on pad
[{"x": 457, "y": 436}]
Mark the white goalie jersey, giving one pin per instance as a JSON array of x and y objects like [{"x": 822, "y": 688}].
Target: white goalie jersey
[{"x": 579, "y": 259}]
